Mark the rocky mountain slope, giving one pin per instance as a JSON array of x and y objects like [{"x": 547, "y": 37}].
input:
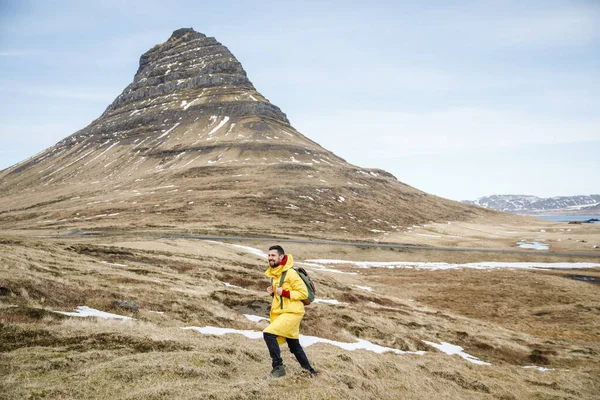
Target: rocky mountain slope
[
  {"x": 521, "y": 204},
  {"x": 191, "y": 145}
]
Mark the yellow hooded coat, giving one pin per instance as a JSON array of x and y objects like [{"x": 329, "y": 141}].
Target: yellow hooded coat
[{"x": 285, "y": 321}]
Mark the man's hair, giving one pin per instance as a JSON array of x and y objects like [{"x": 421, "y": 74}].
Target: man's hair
[{"x": 278, "y": 248}]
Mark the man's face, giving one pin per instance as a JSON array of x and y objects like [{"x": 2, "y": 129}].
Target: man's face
[{"x": 274, "y": 258}]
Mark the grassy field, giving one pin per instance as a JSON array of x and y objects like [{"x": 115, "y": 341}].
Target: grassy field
[{"x": 510, "y": 318}]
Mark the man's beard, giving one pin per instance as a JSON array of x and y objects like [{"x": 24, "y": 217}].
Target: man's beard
[{"x": 274, "y": 264}]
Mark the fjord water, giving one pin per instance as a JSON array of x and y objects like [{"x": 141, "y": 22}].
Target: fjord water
[{"x": 567, "y": 218}]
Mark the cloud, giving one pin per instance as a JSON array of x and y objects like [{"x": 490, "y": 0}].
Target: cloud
[
  {"x": 43, "y": 134},
  {"x": 15, "y": 53},
  {"x": 499, "y": 25},
  {"x": 377, "y": 78},
  {"x": 454, "y": 130},
  {"x": 19, "y": 142},
  {"x": 559, "y": 27},
  {"x": 90, "y": 94},
  {"x": 78, "y": 94}
]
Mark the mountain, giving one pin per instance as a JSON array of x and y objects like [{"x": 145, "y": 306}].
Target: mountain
[
  {"x": 521, "y": 204},
  {"x": 191, "y": 145}
]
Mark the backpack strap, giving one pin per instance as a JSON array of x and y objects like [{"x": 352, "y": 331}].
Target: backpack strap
[{"x": 280, "y": 285}]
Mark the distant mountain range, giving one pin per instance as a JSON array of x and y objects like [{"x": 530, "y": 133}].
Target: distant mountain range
[{"x": 532, "y": 205}]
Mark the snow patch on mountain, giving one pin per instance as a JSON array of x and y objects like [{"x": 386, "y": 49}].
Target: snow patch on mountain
[{"x": 523, "y": 204}]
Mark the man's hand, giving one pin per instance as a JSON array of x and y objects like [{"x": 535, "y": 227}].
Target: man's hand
[
  {"x": 279, "y": 290},
  {"x": 270, "y": 289}
]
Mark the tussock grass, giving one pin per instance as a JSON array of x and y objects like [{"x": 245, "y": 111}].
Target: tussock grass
[{"x": 509, "y": 318}]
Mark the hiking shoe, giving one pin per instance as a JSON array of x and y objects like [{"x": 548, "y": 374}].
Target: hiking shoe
[
  {"x": 277, "y": 372},
  {"x": 311, "y": 373}
]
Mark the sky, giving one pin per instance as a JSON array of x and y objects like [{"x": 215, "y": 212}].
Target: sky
[{"x": 460, "y": 99}]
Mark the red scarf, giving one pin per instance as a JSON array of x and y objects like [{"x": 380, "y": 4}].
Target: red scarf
[{"x": 284, "y": 261}]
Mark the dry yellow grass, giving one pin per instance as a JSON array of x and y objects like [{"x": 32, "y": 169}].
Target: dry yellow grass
[
  {"x": 510, "y": 318},
  {"x": 264, "y": 179}
]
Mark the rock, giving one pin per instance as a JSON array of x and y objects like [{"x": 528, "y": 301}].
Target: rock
[
  {"x": 128, "y": 305},
  {"x": 4, "y": 291},
  {"x": 196, "y": 67}
]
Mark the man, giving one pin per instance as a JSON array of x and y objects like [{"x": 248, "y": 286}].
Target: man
[{"x": 287, "y": 311}]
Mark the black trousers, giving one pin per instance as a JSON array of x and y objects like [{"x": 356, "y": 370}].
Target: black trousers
[{"x": 295, "y": 348}]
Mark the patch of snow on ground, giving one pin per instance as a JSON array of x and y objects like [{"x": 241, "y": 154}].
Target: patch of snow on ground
[
  {"x": 306, "y": 341},
  {"x": 230, "y": 128},
  {"x": 436, "y": 265},
  {"x": 249, "y": 249},
  {"x": 101, "y": 154},
  {"x": 232, "y": 286},
  {"x": 96, "y": 216},
  {"x": 327, "y": 301},
  {"x": 452, "y": 350},
  {"x": 169, "y": 131},
  {"x": 190, "y": 162},
  {"x": 211, "y": 330},
  {"x": 162, "y": 187},
  {"x": 323, "y": 269},
  {"x": 255, "y": 318},
  {"x": 368, "y": 289},
  {"x": 543, "y": 369},
  {"x": 69, "y": 164},
  {"x": 46, "y": 169},
  {"x": 533, "y": 245},
  {"x": 336, "y": 271},
  {"x": 216, "y": 128},
  {"x": 115, "y": 264},
  {"x": 84, "y": 311},
  {"x": 136, "y": 146}
]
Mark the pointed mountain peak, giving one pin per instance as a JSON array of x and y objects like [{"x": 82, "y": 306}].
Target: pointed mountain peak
[
  {"x": 190, "y": 143},
  {"x": 190, "y": 71},
  {"x": 178, "y": 37},
  {"x": 186, "y": 34}
]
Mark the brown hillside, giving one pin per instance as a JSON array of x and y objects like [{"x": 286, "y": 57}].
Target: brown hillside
[
  {"x": 191, "y": 145},
  {"x": 510, "y": 318}
]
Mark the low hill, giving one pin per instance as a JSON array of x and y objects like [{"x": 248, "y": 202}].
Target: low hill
[{"x": 383, "y": 328}]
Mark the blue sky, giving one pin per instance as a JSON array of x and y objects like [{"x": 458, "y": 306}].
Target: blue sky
[{"x": 460, "y": 99}]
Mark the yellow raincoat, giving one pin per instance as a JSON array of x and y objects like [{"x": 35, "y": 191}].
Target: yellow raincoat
[{"x": 285, "y": 322}]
